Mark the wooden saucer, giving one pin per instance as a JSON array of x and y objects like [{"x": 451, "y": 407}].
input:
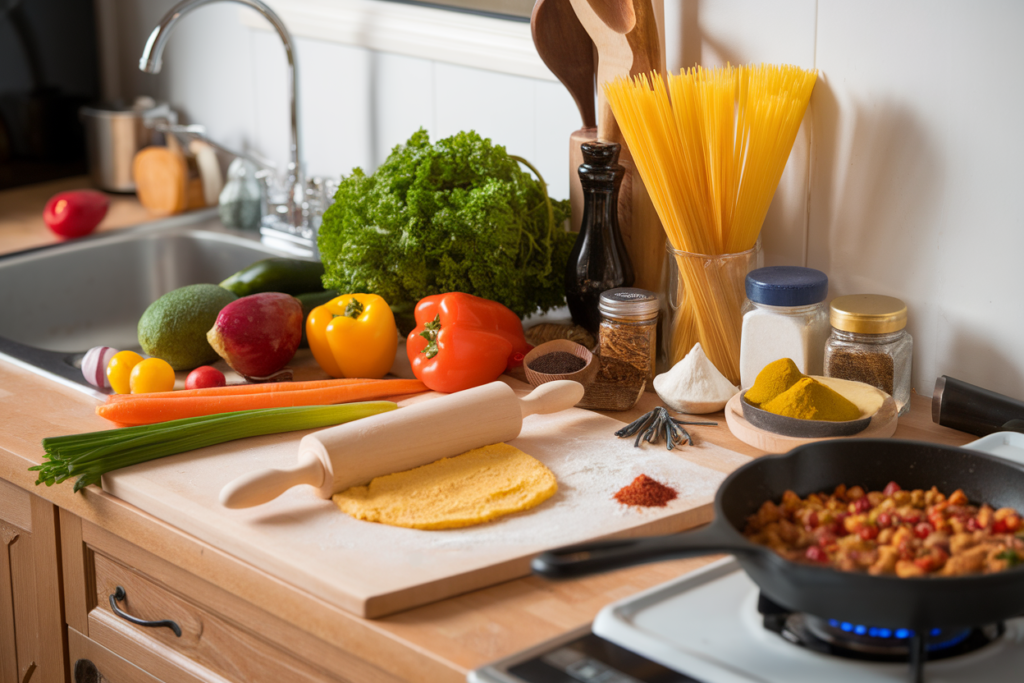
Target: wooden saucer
[{"x": 882, "y": 425}]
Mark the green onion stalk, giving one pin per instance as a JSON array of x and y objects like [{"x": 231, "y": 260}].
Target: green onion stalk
[{"x": 89, "y": 456}]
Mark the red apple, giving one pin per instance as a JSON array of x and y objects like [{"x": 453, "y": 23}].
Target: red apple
[{"x": 258, "y": 334}]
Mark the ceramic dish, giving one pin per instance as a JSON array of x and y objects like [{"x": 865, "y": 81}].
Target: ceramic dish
[
  {"x": 584, "y": 376},
  {"x": 866, "y": 397}
]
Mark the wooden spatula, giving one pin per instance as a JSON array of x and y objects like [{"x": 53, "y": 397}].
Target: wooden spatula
[{"x": 335, "y": 459}]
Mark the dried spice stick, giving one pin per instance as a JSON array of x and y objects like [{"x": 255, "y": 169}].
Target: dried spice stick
[{"x": 651, "y": 426}]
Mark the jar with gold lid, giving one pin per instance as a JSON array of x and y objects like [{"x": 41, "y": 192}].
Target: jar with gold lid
[{"x": 869, "y": 343}]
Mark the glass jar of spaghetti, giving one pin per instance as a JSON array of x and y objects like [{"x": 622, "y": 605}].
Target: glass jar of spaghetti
[
  {"x": 870, "y": 344},
  {"x": 704, "y": 296},
  {"x": 628, "y": 336}
]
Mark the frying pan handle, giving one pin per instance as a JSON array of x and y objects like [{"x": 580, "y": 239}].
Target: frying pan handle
[{"x": 602, "y": 556}]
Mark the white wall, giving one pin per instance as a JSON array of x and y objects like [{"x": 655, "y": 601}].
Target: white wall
[{"x": 904, "y": 180}]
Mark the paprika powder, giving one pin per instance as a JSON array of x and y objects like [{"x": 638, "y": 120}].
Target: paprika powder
[
  {"x": 462, "y": 341},
  {"x": 646, "y": 492}
]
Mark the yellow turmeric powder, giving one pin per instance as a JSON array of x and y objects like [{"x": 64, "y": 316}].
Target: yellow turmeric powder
[
  {"x": 774, "y": 378},
  {"x": 809, "y": 399}
]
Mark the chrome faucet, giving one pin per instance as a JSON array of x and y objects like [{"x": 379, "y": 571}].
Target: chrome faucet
[{"x": 296, "y": 232}]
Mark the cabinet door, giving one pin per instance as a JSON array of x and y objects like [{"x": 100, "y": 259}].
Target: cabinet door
[{"x": 31, "y": 627}]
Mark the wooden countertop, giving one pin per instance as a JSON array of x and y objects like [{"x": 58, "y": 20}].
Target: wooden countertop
[
  {"x": 438, "y": 642},
  {"x": 21, "y": 213}
]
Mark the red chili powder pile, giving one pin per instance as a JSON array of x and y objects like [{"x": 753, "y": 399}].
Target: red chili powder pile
[{"x": 646, "y": 492}]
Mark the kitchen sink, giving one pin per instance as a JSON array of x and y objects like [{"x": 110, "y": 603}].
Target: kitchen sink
[{"x": 59, "y": 301}]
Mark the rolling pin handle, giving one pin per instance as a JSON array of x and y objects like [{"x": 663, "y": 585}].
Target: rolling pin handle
[
  {"x": 552, "y": 397},
  {"x": 256, "y": 488}
]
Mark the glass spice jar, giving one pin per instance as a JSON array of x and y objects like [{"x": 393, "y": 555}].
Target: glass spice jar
[
  {"x": 784, "y": 316},
  {"x": 870, "y": 344},
  {"x": 628, "y": 331}
]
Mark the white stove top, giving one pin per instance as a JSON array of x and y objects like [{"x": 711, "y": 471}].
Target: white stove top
[{"x": 706, "y": 625}]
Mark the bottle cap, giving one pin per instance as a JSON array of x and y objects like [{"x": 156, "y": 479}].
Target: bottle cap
[
  {"x": 787, "y": 286},
  {"x": 868, "y": 314},
  {"x": 628, "y": 302}
]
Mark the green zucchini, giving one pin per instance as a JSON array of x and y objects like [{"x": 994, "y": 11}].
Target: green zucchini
[{"x": 285, "y": 275}]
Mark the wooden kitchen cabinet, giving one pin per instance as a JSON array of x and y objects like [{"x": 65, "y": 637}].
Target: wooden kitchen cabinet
[
  {"x": 223, "y": 638},
  {"x": 31, "y": 623}
]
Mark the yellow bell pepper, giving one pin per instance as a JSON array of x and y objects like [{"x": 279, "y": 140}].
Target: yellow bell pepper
[{"x": 353, "y": 335}]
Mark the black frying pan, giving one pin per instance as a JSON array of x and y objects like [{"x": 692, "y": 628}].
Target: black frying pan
[{"x": 886, "y": 601}]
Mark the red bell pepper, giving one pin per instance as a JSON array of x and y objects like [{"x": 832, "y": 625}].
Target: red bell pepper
[{"x": 462, "y": 341}]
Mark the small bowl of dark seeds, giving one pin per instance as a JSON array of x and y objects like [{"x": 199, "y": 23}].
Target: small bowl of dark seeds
[{"x": 560, "y": 359}]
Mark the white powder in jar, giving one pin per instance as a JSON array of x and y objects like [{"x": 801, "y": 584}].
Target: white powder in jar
[{"x": 773, "y": 332}]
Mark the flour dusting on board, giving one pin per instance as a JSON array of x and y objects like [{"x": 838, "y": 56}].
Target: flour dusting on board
[{"x": 590, "y": 467}]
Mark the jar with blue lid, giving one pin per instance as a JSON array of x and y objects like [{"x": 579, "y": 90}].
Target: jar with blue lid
[{"x": 784, "y": 316}]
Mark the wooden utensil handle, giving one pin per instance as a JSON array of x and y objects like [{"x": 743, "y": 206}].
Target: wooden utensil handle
[
  {"x": 552, "y": 397},
  {"x": 256, "y": 488}
]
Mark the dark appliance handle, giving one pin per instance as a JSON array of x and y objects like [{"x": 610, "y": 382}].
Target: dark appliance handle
[
  {"x": 974, "y": 409},
  {"x": 119, "y": 595},
  {"x": 602, "y": 556}
]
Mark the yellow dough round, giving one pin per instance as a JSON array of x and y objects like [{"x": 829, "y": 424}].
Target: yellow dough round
[{"x": 472, "y": 488}]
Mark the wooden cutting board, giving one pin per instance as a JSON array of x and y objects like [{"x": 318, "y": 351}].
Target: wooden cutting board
[{"x": 374, "y": 570}]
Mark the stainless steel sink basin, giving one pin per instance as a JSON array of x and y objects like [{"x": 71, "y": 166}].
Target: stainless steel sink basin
[{"x": 57, "y": 302}]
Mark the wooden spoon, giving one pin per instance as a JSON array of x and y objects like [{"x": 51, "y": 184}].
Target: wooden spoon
[{"x": 566, "y": 49}]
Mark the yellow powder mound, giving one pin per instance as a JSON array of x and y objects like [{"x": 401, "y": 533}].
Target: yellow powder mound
[
  {"x": 809, "y": 399},
  {"x": 472, "y": 488},
  {"x": 774, "y": 378}
]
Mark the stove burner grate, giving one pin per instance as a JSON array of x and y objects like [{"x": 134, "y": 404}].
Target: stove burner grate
[{"x": 870, "y": 643}]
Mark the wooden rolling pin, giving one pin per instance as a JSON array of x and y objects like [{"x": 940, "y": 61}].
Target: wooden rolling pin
[{"x": 340, "y": 457}]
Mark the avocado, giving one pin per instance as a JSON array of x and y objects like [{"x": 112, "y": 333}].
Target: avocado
[{"x": 174, "y": 326}]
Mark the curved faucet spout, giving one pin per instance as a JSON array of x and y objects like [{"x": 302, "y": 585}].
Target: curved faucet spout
[{"x": 150, "y": 62}]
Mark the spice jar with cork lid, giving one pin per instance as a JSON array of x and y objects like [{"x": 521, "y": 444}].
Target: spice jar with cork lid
[{"x": 870, "y": 344}]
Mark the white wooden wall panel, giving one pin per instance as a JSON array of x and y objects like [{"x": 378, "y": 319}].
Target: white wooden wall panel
[{"x": 904, "y": 181}]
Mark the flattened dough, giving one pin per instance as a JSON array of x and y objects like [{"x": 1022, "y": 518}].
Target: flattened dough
[{"x": 472, "y": 488}]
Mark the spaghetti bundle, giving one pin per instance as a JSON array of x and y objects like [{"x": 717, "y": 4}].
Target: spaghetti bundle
[{"x": 710, "y": 146}]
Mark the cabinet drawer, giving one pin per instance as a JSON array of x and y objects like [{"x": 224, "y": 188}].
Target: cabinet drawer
[
  {"x": 93, "y": 663},
  {"x": 224, "y": 637},
  {"x": 211, "y": 647}
]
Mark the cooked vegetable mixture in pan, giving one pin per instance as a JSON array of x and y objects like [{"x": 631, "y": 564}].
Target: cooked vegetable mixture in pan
[{"x": 906, "y": 533}]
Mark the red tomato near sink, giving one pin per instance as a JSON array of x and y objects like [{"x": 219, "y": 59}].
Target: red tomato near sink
[{"x": 75, "y": 213}]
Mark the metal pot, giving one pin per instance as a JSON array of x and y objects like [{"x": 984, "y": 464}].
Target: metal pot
[{"x": 115, "y": 133}]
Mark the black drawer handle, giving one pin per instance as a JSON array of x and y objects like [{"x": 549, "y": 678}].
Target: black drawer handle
[{"x": 120, "y": 595}]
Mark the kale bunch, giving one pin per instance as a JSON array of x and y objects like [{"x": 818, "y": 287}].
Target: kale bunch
[{"x": 456, "y": 216}]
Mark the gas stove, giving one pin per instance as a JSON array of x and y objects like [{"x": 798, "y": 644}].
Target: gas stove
[{"x": 713, "y": 626}]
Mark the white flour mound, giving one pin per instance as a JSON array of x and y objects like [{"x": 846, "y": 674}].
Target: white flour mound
[{"x": 694, "y": 385}]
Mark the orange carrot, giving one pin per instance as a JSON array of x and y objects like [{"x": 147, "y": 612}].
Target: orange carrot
[
  {"x": 244, "y": 389},
  {"x": 150, "y": 410}
]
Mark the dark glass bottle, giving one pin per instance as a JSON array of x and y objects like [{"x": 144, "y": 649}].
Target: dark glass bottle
[{"x": 598, "y": 261}]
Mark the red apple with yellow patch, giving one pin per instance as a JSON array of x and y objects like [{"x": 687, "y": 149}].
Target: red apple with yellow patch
[{"x": 258, "y": 334}]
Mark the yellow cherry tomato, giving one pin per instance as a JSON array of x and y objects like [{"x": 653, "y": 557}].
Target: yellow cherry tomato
[
  {"x": 119, "y": 370},
  {"x": 152, "y": 374}
]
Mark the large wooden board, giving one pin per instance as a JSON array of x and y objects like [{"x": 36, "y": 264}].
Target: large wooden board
[{"x": 374, "y": 570}]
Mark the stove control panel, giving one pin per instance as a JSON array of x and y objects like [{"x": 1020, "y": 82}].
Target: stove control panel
[{"x": 579, "y": 657}]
